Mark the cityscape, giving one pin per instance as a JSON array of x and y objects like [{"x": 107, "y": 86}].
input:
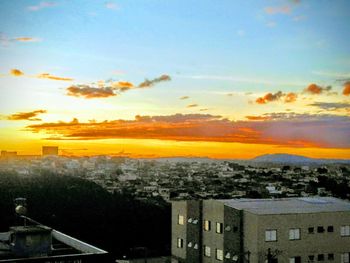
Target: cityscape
[{"x": 178, "y": 131}]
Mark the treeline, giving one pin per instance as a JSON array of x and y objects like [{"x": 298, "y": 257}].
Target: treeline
[{"x": 114, "y": 222}]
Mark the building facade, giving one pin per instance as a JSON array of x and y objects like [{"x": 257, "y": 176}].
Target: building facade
[{"x": 287, "y": 230}]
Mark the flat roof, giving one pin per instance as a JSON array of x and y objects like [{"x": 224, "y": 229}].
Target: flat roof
[{"x": 289, "y": 205}]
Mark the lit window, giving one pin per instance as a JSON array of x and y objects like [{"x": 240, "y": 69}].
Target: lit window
[
  {"x": 207, "y": 225},
  {"x": 206, "y": 251},
  {"x": 189, "y": 244},
  {"x": 190, "y": 220},
  {"x": 195, "y": 221},
  {"x": 180, "y": 242},
  {"x": 271, "y": 235},
  {"x": 180, "y": 220},
  {"x": 294, "y": 234},
  {"x": 331, "y": 256},
  {"x": 345, "y": 231},
  {"x": 195, "y": 246},
  {"x": 344, "y": 258},
  {"x": 219, "y": 255},
  {"x": 228, "y": 255},
  {"x": 228, "y": 228},
  {"x": 219, "y": 227},
  {"x": 295, "y": 260}
]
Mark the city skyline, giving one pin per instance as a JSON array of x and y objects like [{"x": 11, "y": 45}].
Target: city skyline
[{"x": 176, "y": 78}]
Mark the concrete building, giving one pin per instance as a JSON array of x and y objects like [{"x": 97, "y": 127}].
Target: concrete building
[
  {"x": 287, "y": 230},
  {"x": 49, "y": 150},
  {"x": 38, "y": 243}
]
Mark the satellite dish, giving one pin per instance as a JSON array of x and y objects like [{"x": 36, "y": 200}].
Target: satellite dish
[{"x": 21, "y": 210}]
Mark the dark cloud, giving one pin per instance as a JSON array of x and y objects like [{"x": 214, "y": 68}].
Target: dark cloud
[
  {"x": 192, "y": 105},
  {"x": 331, "y": 106},
  {"x": 30, "y": 116},
  {"x": 89, "y": 92},
  {"x": 269, "y": 97},
  {"x": 148, "y": 83},
  {"x": 184, "y": 97},
  {"x": 290, "y": 97}
]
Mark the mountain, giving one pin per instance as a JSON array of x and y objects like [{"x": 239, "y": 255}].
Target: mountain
[{"x": 294, "y": 159}]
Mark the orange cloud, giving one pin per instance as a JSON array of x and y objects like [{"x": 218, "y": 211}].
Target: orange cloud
[
  {"x": 48, "y": 76},
  {"x": 269, "y": 97},
  {"x": 30, "y": 116},
  {"x": 290, "y": 97},
  {"x": 258, "y": 118},
  {"x": 346, "y": 90},
  {"x": 192, "y": 105},
  {"x": 296, "y": 130},
  {"x": 272, "y": 10},
  {"x": 88, "y": 92},
  {"x": 16, "y": 72},
  {"x": 148, "y": 83},
  {"x": 315, "y": 89},
  {"x": 26, "y": 39},
  {"x": 122, "y": 85}
]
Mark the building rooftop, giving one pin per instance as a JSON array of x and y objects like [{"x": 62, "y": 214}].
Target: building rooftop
[{"x": 289, "y": 205}]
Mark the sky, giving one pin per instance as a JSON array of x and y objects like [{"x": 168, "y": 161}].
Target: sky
[{"x": 152, "y": 78}]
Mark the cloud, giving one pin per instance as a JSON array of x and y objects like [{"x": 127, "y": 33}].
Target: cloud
[
  {"x": 315, "y": 89},
  {"x": 204, "y": 109},
  {"x": 89, "y": 92},
  {"x": 30, "y": 116},
  {"x": 284, "y": 129},
  {"x": 41, "y": 5},
  {"x": 273, "y": 10},
  {"x": 148, "y": 83},
  {"x": 331, "y": 106},
  {"x": 290, "y": 97},
  {"x": 111, "y": 5},
  {"x": 299, "y": 18},
  {"x": 269, "y": 97},
  {"x": 51, "y": 77},
  {"x": 16, "y": 72},
  {"x": 346, "y": 90},
  {"x": 184, "y": 97},
  {"x": 122, "y": 85},
  {"x": 192, "y": 105},
  {"x": 26, "y": 39},
  {"x": 258, "y": 118}
]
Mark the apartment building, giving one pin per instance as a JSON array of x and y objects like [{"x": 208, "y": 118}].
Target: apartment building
[{"x": 286, "y": 230}]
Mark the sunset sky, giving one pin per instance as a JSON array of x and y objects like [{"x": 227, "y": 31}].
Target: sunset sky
[{"x": 152, "y": 78}]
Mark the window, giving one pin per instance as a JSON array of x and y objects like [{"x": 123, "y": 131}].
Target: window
[
  {"x": 331, "y": 256},
  {"x": 235, "y": 229},
  {"x": 295, "y": 260},
  {"x": 189, "y": 244},
  {"x": 320, "y": 257},
  {"x": 311, "y": 258},
  {"x": 180, "y": 220},
  {"x": 228, "y": 255},
  {"x": 190, "y": 220},
  {"x": 271, "y": 235},
  {"x": 180, "y": 242},
  {"x": 207, "y": 225},
  {"x": 330, "y": 229},
  {"x": 311, "y": 230},
  {"x": 206, "y": 251},
  {"x": 294, "y": 233},
  {"x": 219, "y": 255},
  {"x": 320, "y": 229},
  {"x": 195, "y": 246},
  {"x": 344, "y": 258},
  {"x": 345, "y": 231},
  {"x": 219, "y": 228}
]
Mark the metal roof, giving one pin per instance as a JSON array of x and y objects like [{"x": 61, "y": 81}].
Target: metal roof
[{"x": 289, "y": 205}]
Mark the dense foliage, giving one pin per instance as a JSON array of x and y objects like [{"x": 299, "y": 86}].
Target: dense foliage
[{"x": 114, "y": 222}]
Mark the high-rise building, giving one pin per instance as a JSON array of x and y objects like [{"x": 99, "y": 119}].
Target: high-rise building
[
  {"x": 287, "y": 230},
  {"x": 49, "y": 150},
  {"x": 8, "y": 154}
]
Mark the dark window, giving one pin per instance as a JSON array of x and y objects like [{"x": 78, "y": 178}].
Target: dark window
[
  {"x": 311, "y": 258},
  {"x": 235, "y": 229},
  {"x": 297, "y": 259},
  {"x": 330, "y": 229},
  {"x": 320, "y": 257},
  {"x": 331, "y": 256},
  {"x": 320, "y": 229},
  {"x": 311, "y": 230}
]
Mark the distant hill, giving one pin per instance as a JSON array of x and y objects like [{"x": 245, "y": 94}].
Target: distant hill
[{"x": 294, "y": 159}]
